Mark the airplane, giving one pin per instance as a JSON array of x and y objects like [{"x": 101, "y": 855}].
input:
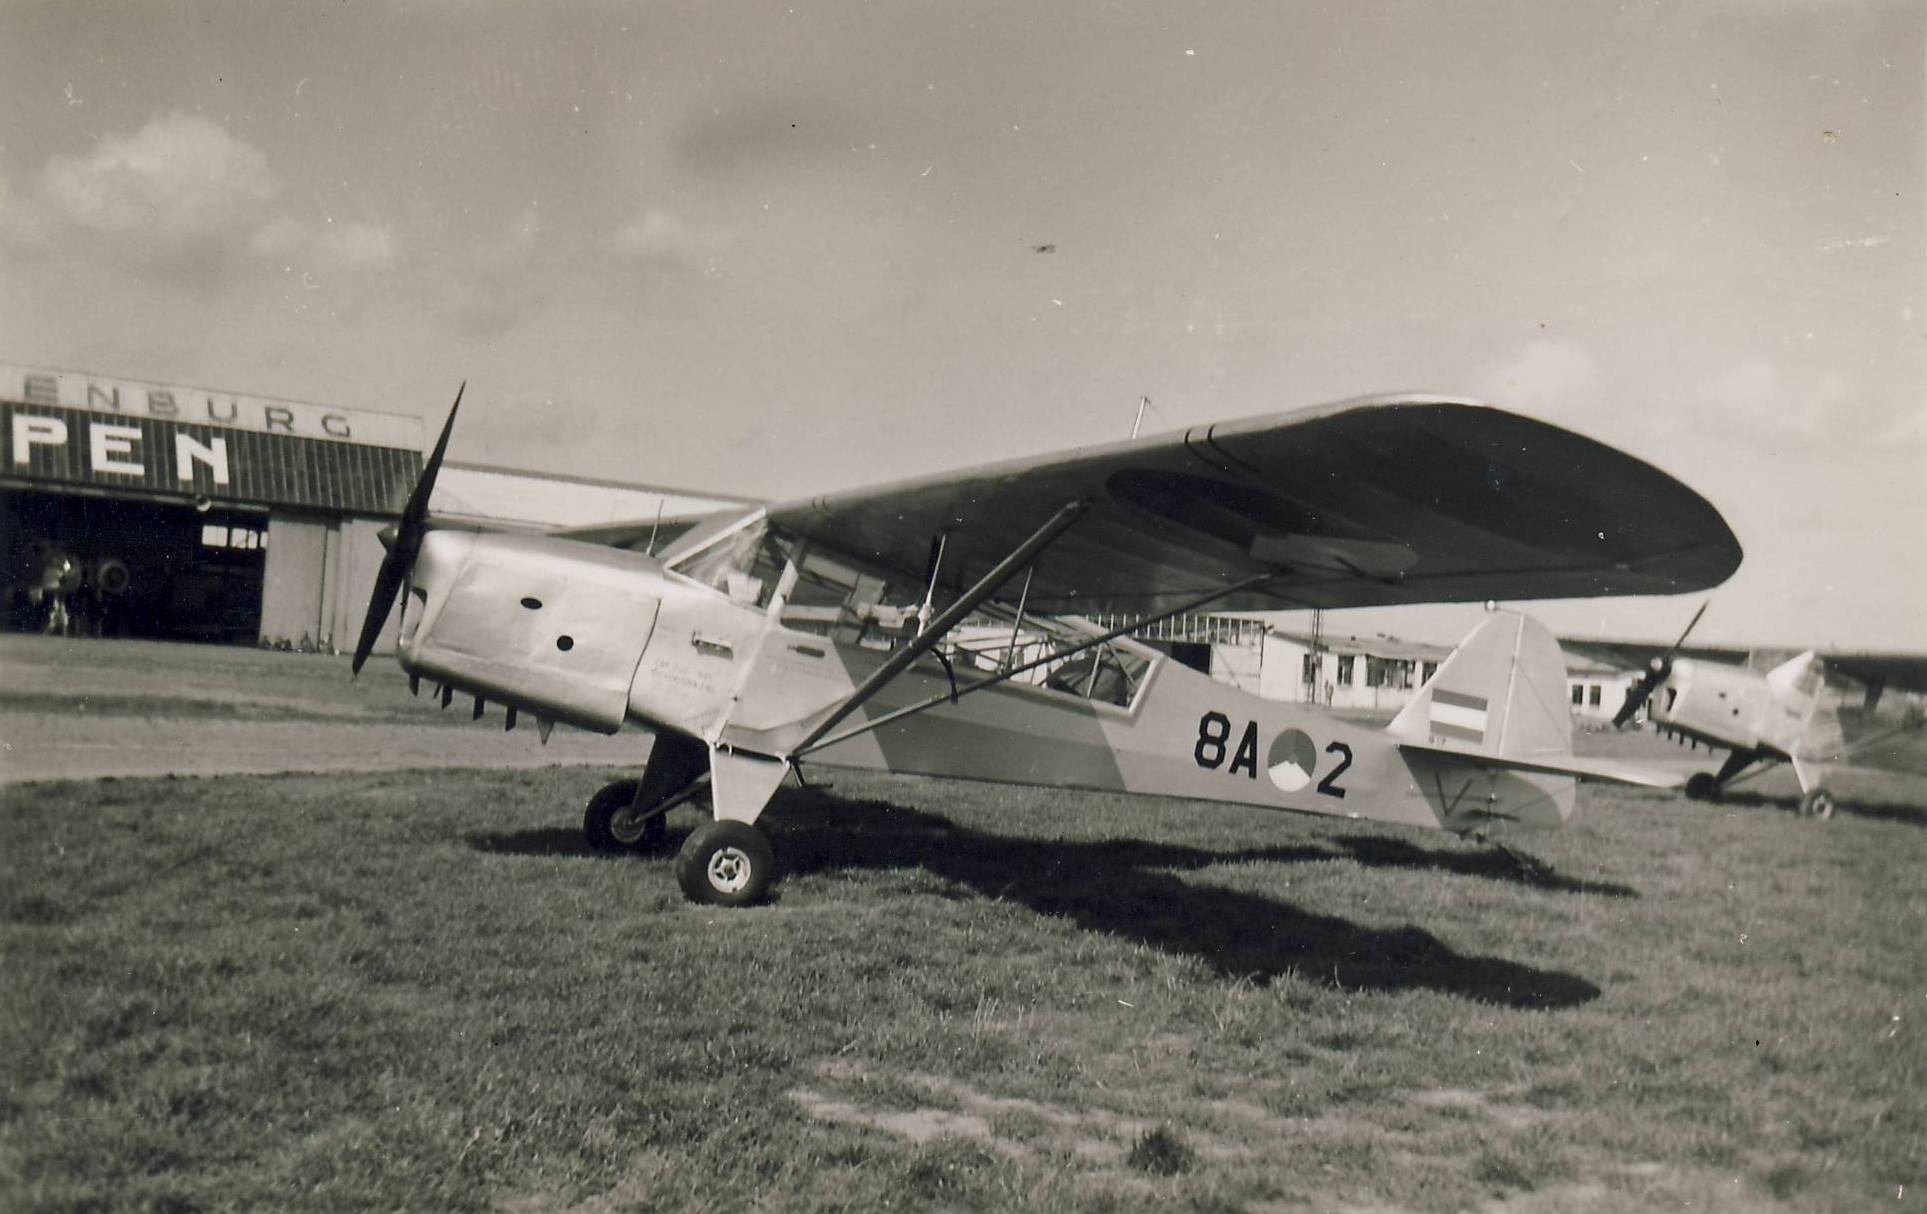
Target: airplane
[
  {"x": 712, "y": 642},
  {"x": 1783, "y": 715}
]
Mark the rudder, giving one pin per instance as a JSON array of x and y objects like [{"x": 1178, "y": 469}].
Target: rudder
[{"x": 1502, "y": 691}]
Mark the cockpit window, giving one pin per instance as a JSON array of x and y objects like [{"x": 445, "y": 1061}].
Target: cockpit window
[{"x": 729, "y": 562}]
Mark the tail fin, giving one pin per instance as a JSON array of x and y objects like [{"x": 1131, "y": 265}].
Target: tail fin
[
  {"x": 1502, "y": 692},
  {"x": 1489, "y": 739}
]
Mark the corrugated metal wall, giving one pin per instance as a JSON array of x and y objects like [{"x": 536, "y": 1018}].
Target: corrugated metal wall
[
  {"x": 293, "y": 592},
  {"x": 319, "y": 575}
]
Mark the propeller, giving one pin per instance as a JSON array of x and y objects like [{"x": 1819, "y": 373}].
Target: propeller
[
  {"x": 1657, "y": 671},
  {"x": 404, "y": 544}
]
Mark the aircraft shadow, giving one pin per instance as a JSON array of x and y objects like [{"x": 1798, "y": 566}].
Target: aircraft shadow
[
  {"x": 1128, "y": 889},
  {"x": 1378, "y": 851},
  {"x": 550, "y": 842},
  {"x": 1874, "y": 810}
]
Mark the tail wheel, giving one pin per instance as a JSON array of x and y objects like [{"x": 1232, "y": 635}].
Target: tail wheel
[
  {"x": 1817, "y": 804},
  {"x": 725, "y": 863},
  {"x": 1703, "y": 786},
  {"x": 613, "y": 823}
]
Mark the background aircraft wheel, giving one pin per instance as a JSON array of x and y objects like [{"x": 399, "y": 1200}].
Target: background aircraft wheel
[
  {"x": 1701, "y": 786},
  {"x": 608, "y": 824},
  {"x": 725, "y": 864},
  {"x": 1817, "y": 804}
]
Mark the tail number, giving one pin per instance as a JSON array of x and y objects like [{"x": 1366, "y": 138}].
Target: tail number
[{"x": 1290, "y": 761}]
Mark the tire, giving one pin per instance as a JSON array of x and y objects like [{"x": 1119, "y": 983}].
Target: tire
[
  {"x": 1817, "y": 804},
  {"x": 1702, "y": 786},
  {"x": 725, "y": 863},
  {"x": 608, "y": 826}
]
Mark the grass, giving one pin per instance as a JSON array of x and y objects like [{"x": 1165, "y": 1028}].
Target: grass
[{"x": 410, "y": 991}]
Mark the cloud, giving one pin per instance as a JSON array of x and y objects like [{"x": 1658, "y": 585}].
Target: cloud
[
  {"x": 347, "y": 246},
  {"x": 658, "y": 237},
  {"x": 1550, "y": 376},
  {"x": 179, "y": 185},
  {"x": 185, "y": 201}
]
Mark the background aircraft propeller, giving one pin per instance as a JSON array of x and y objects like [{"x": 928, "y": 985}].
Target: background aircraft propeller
[
  {"x": 1657, "y": 671},
  {"x": 404, "y": 544}
]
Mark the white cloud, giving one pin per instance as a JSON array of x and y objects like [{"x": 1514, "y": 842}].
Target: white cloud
[
  {"x": 658, "y": 236},
  {"x": 180, "y": 182},
  {"x": 184, "y": 201},
  {"x": 1550, "y": 376},
  {"x": 346, "y": 246}
]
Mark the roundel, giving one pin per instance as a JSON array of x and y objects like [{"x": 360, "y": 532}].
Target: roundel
[{"x": 1291, "y": 760}]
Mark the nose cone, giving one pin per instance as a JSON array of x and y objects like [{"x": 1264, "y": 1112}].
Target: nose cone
[{"x": 438, "y": 565}]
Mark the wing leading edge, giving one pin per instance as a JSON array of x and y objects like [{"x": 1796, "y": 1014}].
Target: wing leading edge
[{"x": 1373, "y": 502}]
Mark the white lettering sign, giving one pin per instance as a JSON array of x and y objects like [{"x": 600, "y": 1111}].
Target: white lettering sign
[
  {"x": 95, "y": 394},
  {"x": 105, "y": 444},
  {"x": 29, "y": 432},
  {"x": 188, "y": 450}
]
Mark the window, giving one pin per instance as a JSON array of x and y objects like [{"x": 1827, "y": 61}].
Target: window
[
  {"x": 1592, "y": 695},
  {"x": 1431, "y": 668},
  {"x": 1309, "y": 668},
  {"x": 1107, "y": 673},
  {"x": 1345, "y": 663},
  {"x": 237, "y": 536},
  {"x": 1395, "y": 673},
  {"x": 1578, "y": 693}
]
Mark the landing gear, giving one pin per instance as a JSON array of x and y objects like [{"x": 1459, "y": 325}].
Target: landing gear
[
  {"x": 631, "y": 815},
  {"x": 1817, "y": 804},
  {"x": 614, "y": 821},
  {"x": 725, "y": 863},
  {"x": 1703, "y": 786}
]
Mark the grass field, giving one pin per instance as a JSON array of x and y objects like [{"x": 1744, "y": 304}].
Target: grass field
[{"x": 418, "y": 991}]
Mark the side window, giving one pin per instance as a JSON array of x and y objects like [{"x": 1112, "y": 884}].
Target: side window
[{"x": 1106, "y": 673}]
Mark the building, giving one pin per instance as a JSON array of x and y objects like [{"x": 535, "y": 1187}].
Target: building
[
  {"x": 1368, "y": 674},
  {"x": 132, "y": 508},
  {"x": 1598, "y": 689}
]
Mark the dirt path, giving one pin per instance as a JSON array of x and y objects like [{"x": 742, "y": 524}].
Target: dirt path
[{"x": 81, "y": 709}]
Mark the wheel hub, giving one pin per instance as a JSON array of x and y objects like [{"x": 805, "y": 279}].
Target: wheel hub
[
  {"x": 626, "y": 825},
  {"x": 729, "y": 869}
]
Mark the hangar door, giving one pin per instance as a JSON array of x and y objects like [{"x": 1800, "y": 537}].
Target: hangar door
[{"x": 319, "y": 575}]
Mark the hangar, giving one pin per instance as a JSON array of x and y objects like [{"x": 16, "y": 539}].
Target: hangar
[{"x": 132, "y": 508}]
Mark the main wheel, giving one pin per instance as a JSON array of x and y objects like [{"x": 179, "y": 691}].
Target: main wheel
[
  {"x": 1817, "y": 804},
  {"x": 612, "y": 823},
  {"x": 1702, "y": 786},
  {"x": 725, "y": 863}
]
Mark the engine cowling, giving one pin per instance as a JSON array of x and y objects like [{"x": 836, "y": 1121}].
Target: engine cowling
[{"x": 555, "y": 627}]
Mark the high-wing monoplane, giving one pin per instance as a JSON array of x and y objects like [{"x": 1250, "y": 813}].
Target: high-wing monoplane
[
  {"x": 1760, "y": 718},
  {"x": 868, "y": 628}
]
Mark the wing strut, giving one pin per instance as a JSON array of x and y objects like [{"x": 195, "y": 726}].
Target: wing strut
[
  {"x": 1056, "y": 655},
  {"x": 970, "y": 600}
]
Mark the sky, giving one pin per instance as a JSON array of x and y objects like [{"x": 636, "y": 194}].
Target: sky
[{"x": 776, "y": 249}]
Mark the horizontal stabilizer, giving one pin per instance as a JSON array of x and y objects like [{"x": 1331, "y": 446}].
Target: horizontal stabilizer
[{"x": 1599, "y": 770}]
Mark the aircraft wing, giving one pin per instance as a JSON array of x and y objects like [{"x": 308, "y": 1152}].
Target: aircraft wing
[
  {"x": 1384, "y": 500},
  {"x": 1904, "y": 671},
  {"x": 1900, "y": 671}
]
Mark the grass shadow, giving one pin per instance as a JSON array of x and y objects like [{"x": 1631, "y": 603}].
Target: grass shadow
[
  {"x": 1378, "y": 851},
  {"x": 1131, "y": 889},
  {"x": 1904, "y": 812},
  {"x": 549, "y": 843}
]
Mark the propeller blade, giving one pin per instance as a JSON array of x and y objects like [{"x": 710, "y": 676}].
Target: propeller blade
[
  {"x": 1636, "y": 698},
  {"x": 387, "y": 582},
  {"x": 1656, "y": 673},
  {"x": 406, "y": 544},
  {"x": 1690, "y": 624}
]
